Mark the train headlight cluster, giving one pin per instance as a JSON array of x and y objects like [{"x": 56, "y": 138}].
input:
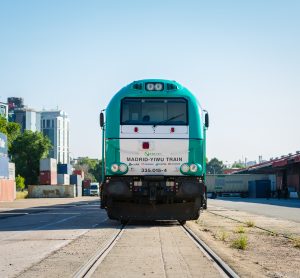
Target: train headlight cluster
[
  {"x": 119, "y": 168},
  {"x": 190, "y": 169},
  {"x": 154, "y": 86}
]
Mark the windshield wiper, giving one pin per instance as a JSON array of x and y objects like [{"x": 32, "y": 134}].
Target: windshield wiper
[{"x": 167, "y": 120}]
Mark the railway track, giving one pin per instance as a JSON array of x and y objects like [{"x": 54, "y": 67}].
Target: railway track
[
  {"x": 223, "y": 267},
  {"x": 90, "y": 267}
]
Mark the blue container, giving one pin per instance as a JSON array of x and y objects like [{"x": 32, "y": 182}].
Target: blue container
[
  {"x": 86, "y": 192},
  {"x": 76, "y": 179},
  {"x": 3, "y": 144},
  {"x": 259, "y": 188},
  {"x": 64, "y": 169},
  {"x": 4, "y": 167}
]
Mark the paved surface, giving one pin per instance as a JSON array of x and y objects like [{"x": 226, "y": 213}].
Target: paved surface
[
  {"x": 56, "y": 237},
  {"x": 282, "y": 209},
  {"x": 29, "y": 235}
]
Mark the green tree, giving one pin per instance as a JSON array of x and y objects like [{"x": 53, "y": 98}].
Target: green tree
[
  {"x": 97, "y": 171},
  {"x": 215, "y": 166},
  {"x": 27, "y": 150},
  {"x": 91, "y": 167},
  {"x": 237, "y": 165},
  {"x": 20, "y": 183},
  {"x": 12, "y": 130}
]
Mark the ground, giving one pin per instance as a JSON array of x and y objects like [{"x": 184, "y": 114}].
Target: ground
[{"x": 272, "y": 248}]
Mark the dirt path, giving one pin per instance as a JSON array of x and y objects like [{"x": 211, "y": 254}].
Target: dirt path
[{"x": 266, "y": 254}]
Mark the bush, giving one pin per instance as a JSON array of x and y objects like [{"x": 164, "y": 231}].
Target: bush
[
  {"x": 20, "y": 183},
  {"x": 240, "y": 230},
  {"x": 250, "y": 223},
  {"x": 223, "y": 235},
  {"x": 240, "y": 243},
  {"x": 297, "y": 242}
]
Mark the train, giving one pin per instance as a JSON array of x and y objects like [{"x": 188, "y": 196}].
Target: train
[{"x": 153, "y": 153}]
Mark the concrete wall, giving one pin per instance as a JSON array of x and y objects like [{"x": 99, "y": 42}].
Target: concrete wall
[
  {"x": 7, "y": 190},
  {"x": 51, "y": 191}
]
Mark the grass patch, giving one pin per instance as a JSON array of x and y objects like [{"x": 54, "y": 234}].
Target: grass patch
[
  {"x": 240, "y": 230},
  {"x": 250, "y": 223},
  {"x": 223, "y": 235},
  {"x": 22, "y": 194},
  {"x": 240, "y": 243},
  {"x": 296, "y": 242}
]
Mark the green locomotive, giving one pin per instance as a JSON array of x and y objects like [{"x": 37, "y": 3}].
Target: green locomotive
[{"x": 154, "y": 153}]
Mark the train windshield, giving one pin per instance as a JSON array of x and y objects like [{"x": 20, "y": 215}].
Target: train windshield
[{"x": 151, "y": 111}]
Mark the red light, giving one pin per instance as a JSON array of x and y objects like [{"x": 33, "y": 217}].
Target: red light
[
  {"x": 172, "y": 129},
  {"x": 136, "y": 129},
  {"x": 146, "y": 145}
]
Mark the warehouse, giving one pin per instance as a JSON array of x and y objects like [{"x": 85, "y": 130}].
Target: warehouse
[{"x": 286, "y": 168}]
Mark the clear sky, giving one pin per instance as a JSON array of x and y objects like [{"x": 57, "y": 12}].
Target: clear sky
[{"x": 241, "y": 59}]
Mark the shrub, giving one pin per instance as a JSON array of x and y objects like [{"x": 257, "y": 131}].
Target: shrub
[
  {"x": 296, "y": 242},
  {"x": 240, "y": 243},
  {"x": 223, "y": 235},
  {"x": 250, "y": 223},
  {"x": 240, "y": 230},
  {"x": 20, "y": 183}
]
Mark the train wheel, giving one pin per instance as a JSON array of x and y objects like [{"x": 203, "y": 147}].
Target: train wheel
[{"x": 182, "y": 222}]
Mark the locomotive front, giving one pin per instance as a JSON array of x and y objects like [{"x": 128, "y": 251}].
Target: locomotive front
[{"x": 154, "y": 153}]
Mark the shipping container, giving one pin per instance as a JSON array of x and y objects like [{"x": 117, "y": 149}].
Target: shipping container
[
  {"x": 4, "y": 163},
  {"x": 48, "y": 178},
  {"x": 11, "y": 171},
  {"x": 85, "y": 191},
  {"x": 63, "y": 179},
  {"x": 3, "y": 144},
  {"x": 76, "y": 179},
  {"x": 231, "y": 183},
  {"x": 64, "y": 169},
  {"x": 7, "y": 190},
  {"x": 79, "y": 172},
  {"x": 48, "y": 164},
  {"x": 86, "y": 183},
  {"x": 259, "y": 189}
]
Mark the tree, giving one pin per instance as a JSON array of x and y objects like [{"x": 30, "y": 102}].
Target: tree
[
  {"x": 215, "y": 166},
  {"x": 20, "y": 183},
  {"x": 91, "y": 167},
  {"x": 27, "y": 150},
  {"x": 12, "y": 130},
  {"x": 97, "y": 171},
  {"x": 237, "y": 165}
]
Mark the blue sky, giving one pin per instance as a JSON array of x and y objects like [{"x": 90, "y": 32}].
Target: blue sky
[{"x": 241, "y": 59}]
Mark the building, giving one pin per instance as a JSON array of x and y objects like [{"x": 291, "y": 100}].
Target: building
[
  {"x": 28, "y": 119},
  {"x": 4, "y": 110},
  {"x": 13, "y": 104},
  {"x": 55, "y": 125},
  {"x": 286, "y": 168}
]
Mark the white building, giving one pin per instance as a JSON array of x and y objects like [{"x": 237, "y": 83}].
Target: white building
[
  {"x": 4, "y": 110},
  {"x": 56, "y": 125}
]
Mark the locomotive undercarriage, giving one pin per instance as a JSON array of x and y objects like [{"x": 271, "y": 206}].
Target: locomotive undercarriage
[{"x": 153, "y": 197}]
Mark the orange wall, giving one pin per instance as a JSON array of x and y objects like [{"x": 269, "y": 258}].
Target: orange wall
[{"x": 7, "y": 190}]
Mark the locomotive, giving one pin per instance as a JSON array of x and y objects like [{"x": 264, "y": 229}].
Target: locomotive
[{"x": 153, "y": 153}]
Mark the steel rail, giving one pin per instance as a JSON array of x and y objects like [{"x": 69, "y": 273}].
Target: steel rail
[
  {"x": 225, "y": 268},
  {"x": 89, "y": 268}
]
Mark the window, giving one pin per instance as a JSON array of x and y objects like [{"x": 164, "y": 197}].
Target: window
[{"x": 150, "y": 111}]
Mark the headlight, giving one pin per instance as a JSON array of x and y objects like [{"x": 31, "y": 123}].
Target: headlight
[
  {"x": 185, "y": 168},
  {"x": 193, "y": 168},
  {"x": 158, "y": 86},
  {"x": 149, "y": 86},
  {"x": 123, "y": 168},
  {"x": 114, "y": 168}
]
